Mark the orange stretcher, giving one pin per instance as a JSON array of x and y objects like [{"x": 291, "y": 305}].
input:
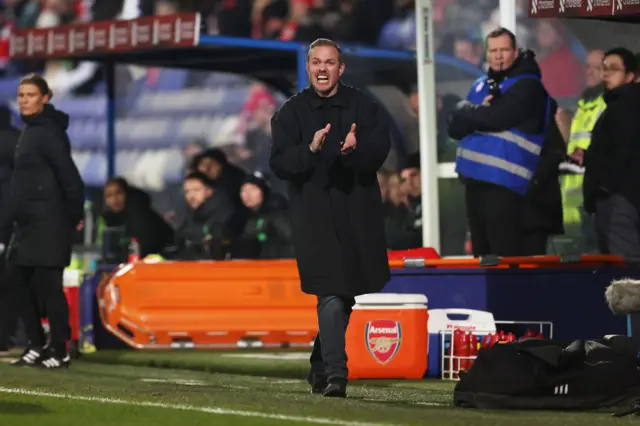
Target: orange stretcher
[
  {"x": 227, "y": 304},
  {"x": 246, "y": 303}
]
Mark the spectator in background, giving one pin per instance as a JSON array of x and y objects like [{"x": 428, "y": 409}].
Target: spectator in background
[
  {"x": 268, "y": 18},
  {"x": 166, "y": 7},
  {"x": 208, "y": 231},
  {"x": 397, "y": 218},
  {"x": 590, "y": 106},
  {"x": 6, "y": 27},
  {"x": 303, "y": 23},
  {"x": 400, "y": 31},
  {"x": 128, "y": 214},
  {"x": 403, "y": 222},
  {"x": 225, "y": 176},
  {"x": 612, "y": 175},
  {"x": 171, "y": 202},
  {"x": 267, "y": 234},
  {"x": 234, "y": 18},
  {"x": 360, "y": 21},
  {"x": 445, "y": 107},
  {"x": 258, "y": 138},
  {"x": 543, "y": 203},
  {"x": 562, "y": 72},
  {"x": 469, "y": 50}
]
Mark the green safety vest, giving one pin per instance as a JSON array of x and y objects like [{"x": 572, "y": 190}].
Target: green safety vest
[{"x": 581, "y": 127}]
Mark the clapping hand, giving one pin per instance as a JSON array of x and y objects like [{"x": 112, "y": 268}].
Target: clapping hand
[
  {"x": 319, "y": 138},
  {"x": 350, "y": 141}
]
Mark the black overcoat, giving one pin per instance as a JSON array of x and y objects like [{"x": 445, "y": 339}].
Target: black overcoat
[
  {"x": 47, "y": 192},
  {"x": 334, "y": 200}
]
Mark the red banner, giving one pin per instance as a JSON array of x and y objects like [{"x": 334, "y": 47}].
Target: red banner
[
  {"x": 171, "y": 31},
  {"x": 582, "y": 8}
]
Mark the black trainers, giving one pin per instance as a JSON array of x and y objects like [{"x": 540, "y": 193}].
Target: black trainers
[
  {"x": 318, "y": 383},
  {"x": 337, "y": 388},
  {"x": 31, "y": 357},
  {"x": 52, "y": 359}
]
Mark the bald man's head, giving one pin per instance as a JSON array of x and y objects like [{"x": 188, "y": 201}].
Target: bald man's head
[{"x": 594, "y": 68}]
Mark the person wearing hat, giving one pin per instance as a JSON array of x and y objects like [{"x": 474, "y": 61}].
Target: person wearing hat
[{"x": 267, "y": 234}]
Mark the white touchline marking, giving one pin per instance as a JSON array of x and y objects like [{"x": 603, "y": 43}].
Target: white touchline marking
[{"x": 210, "y": 410}]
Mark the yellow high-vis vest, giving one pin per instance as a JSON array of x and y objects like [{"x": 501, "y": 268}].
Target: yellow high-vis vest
[{"x": 581, "y": 127}]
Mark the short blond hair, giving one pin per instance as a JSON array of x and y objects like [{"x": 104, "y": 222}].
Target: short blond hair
[{"x": 325, "y": 42}]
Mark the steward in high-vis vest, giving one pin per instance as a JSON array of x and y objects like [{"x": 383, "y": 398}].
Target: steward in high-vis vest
[
  {"x": 501, "y": 128},
  {"x": 590, "y": 107}
]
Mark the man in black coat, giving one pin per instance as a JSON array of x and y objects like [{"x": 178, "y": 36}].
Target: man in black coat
[
  {"x": 612, "y": 175},
  {"x": 47, "y": 198},
  {"x": 8, "y": 141},
  {"x": 329, "y": 141}
]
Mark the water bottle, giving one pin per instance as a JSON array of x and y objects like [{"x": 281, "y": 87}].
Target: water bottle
[{"x": 134, "y": 251}]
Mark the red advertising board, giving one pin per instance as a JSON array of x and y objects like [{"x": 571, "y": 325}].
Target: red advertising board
[
  {"x": 171, "y": 31},
  {"x": 582, "y": 8}
]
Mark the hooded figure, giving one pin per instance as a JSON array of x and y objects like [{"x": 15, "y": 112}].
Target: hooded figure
[{"x": 267, "y": 234}]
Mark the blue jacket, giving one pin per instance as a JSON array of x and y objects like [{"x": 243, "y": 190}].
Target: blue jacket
[{"x": 507, "y": 158}]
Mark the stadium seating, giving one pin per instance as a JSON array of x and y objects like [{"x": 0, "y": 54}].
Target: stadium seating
[{"x": 154, "y": 121}]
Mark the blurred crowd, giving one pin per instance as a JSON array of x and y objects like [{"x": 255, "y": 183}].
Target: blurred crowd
[
  {"x": 387, "y": 24},
  {"x": 460, "y": 27}
]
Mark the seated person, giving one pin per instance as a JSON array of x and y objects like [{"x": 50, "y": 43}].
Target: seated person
[
  {"x": 267, "y": 234},
  {"x": 211, "y": 221},
  {"x": 225, "y": 176},
  {"x": 128, "y": 214}
]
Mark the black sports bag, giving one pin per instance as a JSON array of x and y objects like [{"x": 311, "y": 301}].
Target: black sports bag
[{"x": 550, "y": 374}]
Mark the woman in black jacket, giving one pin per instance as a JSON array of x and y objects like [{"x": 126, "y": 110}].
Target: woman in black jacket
[{"x": 46, "y": 199}]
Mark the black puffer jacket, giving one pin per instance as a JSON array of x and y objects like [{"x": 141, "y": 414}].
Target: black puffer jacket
[{"x": 47, "y": 192}]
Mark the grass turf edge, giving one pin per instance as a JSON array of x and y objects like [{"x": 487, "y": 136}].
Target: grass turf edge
[{"x": 204, "y": 361}]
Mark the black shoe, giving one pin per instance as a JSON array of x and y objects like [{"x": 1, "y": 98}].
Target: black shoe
[
  {"x": 31, "y": 357},
  {"x": 336, "y": 389},
  {"x": 52, "y": 360},
  {"x": 318, "y": 383}
]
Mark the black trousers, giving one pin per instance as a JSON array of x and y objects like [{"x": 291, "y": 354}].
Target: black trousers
[
  {"x": 618, "y": 227},
  {"x": 329, "y": 356},
  {"x": 40, "y": 294},
  {"x": 8, "y": 311},
  {"x": 495, "y": 217}
]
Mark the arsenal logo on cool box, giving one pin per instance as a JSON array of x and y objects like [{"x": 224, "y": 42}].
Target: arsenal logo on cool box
[{"x": 383, "y": 338}]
